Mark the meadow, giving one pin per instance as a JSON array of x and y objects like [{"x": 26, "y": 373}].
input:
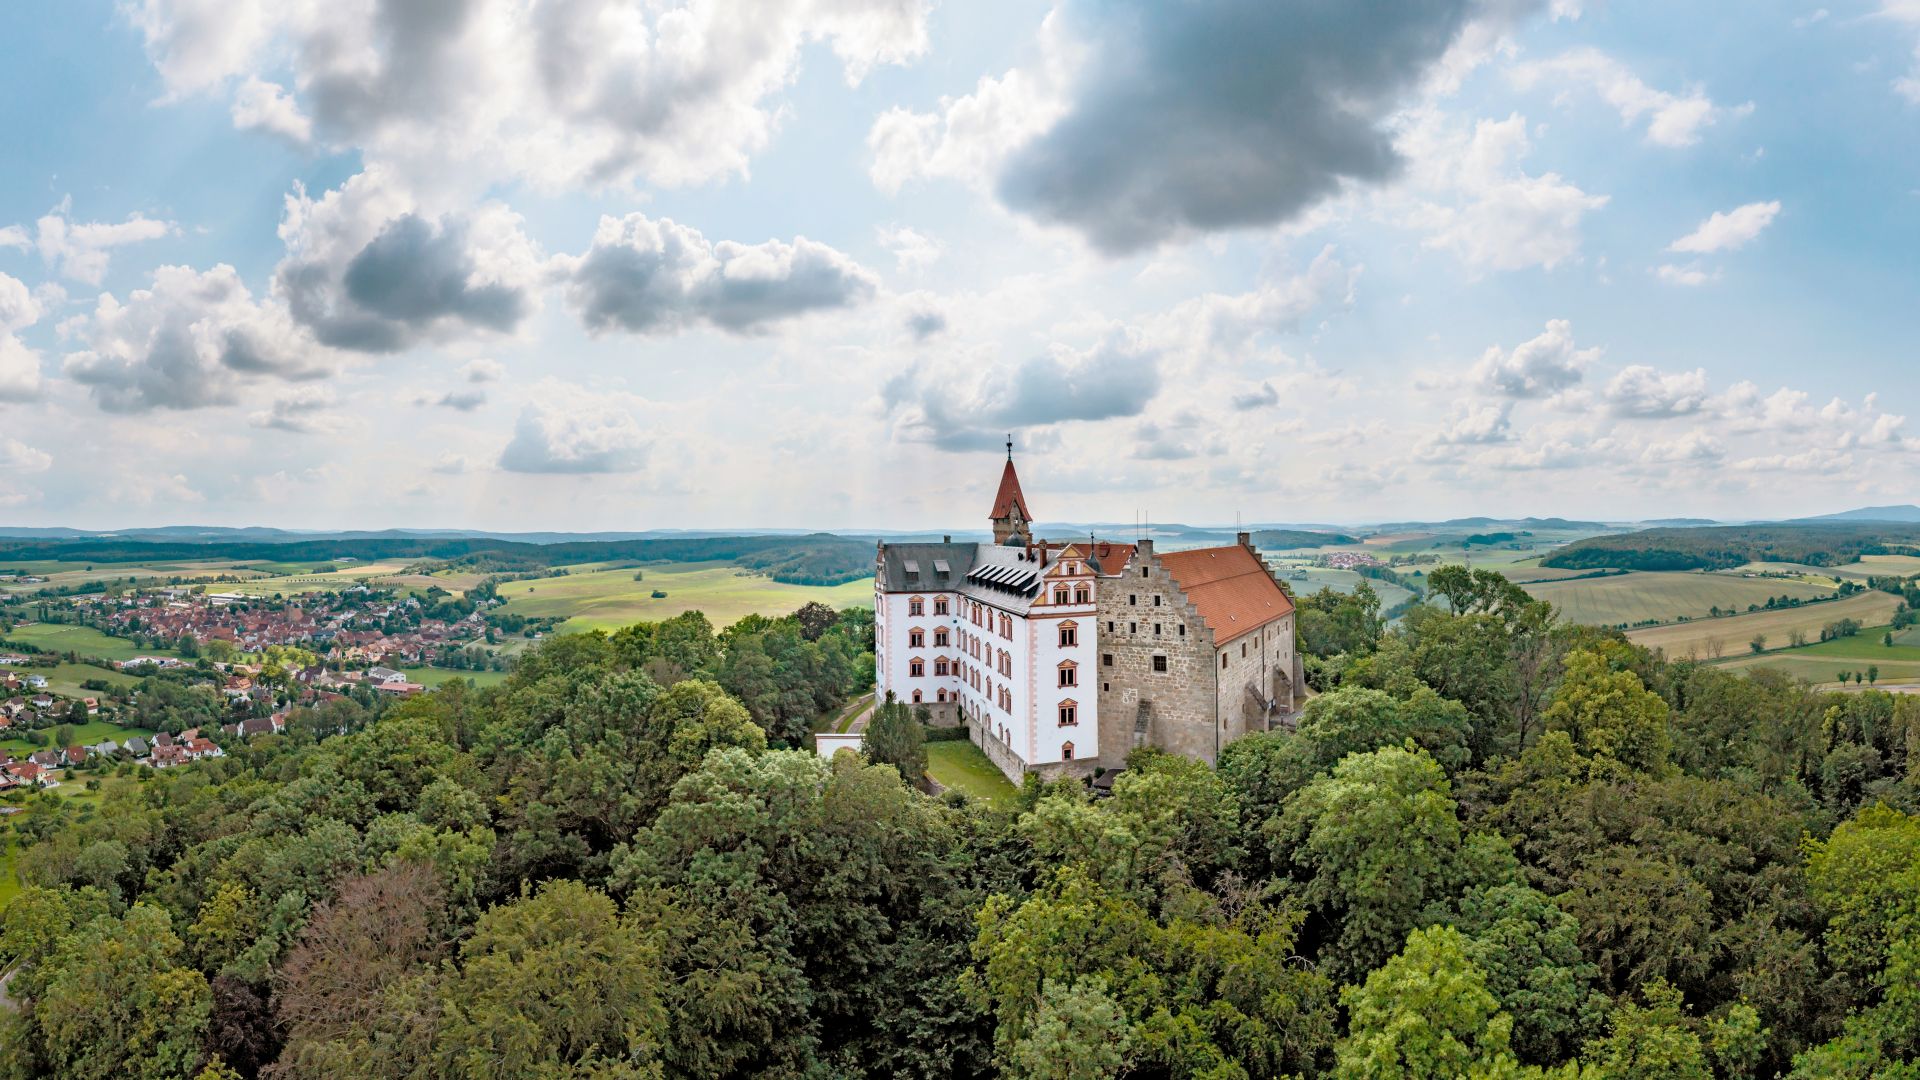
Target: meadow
[
  {"x": 67, "y": 679},
  {"x": 82, "y": 640},
  {"x": 1340, "y": 581},
  {"x": 609, "y": 599},
  {"x": 63, "y": 574},
  {"x": 1729, "y": 636},
  {"x": 68, "y": 796},
  {"x": 433, "y": 676},
  {"x": 1630, "y": 599}
]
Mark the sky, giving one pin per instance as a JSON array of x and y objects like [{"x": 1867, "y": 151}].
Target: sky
[{"x": 637, "y": 264}]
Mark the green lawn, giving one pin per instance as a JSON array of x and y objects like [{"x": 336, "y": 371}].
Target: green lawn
[
  {"x": 436, "y": 676},
  {"x": 84, "y": 640},
  {"x": 609, "y": 599},
  {"x": 84, "y": 734},
  {"x": 961, "y": 766}
]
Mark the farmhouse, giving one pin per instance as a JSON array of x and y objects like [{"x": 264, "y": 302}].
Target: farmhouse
[{"x": 1061, "y": 657}]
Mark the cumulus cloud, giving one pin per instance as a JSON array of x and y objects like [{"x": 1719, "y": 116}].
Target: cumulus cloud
[
  {"x": 1693, "y": 447},
  {"x": 648, "y": 277},
  {"x": 1116, "y": 378},
  {"x": 1162, "y": 120},
  {"x": 1673, "y": 120},
  {"x": 562, "y": 93},
  {"x": 20, "y": 378},
  {"x": 185, "y": 341},
  {"x": 18, "y": 457},
  {"x": 304, "y": 411},
  {"x": 1260, "y": 397},
  {"x": 912, "y": 250},
  {"x": 18, "y": 307},
  {"x": 460, "y": 400},
  {"x": 1538, "y": 368},
  {"x": 366, "y": 271},
  {"x": 568, "y": 429},
  {"x": 82, "y": 250},
  {"x": 483, "y": 371},
  {"x": 1646, "y": 393},
  {"x": 1223, "y": 320},
  {"x": 1495, "y": 216},
  {"x": 259, "y": 105},
  {"x": 1729, "y": 230}
]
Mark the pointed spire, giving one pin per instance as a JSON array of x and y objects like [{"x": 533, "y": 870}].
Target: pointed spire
[{"x": 1010, "y": 516}]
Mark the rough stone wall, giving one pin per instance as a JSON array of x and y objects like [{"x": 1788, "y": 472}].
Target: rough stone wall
[
  {"x": 1009, "y": 763},
  {"x": 1182, "y": 696},
  {"x": 1252, "y": 661}
]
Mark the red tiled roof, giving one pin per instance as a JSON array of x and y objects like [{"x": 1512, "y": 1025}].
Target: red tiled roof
[
  {"x": 1009, "y": 495},
  {"x": 1113, "y": 558},
  {"x": 1230, "y": 587}
]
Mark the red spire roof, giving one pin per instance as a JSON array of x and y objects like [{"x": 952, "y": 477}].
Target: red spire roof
[{"x": 1009, "y": 495}]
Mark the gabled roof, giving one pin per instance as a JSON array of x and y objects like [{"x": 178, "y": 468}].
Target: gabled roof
[
  {"x": 925, "y": 567},
  {"x": 1230, "y": 588},
  {"x": 1009, "y": 495}
]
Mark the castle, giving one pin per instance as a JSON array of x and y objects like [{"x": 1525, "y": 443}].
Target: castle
[{"x": 1061, "y": 657}]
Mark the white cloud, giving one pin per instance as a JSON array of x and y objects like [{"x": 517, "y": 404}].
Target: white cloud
[
  {"x": 18, "y": 307},
  {"x": 1728, "y": 230},
  {"x": 152, "y": 488},
  {"x": 1644, "y": 392},
  {"x": 1498, "y": 217},
  {"x": 1673, "y": 120},
  {"x": 1537, "y": 368},
  {"x": 563, "y": 93},
  {"x": 20, "y": 378},
  {"x": 1691, "y": 275},
  {"x": 264, "y": 106},
  {"x": 82, "y": 250},
  {"x": 1695, "y": 446},
  {"x": 18, "y": 457},
  {"x": 569, "y": 429},
  {"x": 187, "y": 342},
  {"x": 971, "y": 408},
  {"x": 14, "y": 236},
  {"x": 911, "y": 249},
  {"x": 303, "y": 410},
  {"x": 646, "y": 276}
]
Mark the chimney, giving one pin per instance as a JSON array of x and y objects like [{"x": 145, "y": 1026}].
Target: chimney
[
  {"x": 1145, "y": 547},
  {"x": 948, "y": 539},
  {"x": 1245, "y": 540}
]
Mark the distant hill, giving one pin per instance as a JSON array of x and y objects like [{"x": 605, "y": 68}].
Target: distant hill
[
  {"x": 1727, "y": 546},
  {"x": 1905, "y": 513},
  {"x": 1679, "y": 523},
  {"x": 1530, "y": 523}
]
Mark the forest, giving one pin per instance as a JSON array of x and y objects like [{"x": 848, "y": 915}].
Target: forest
[
  {"x": 1726, "y": 547},
  {"x": 1496, "y": 846}
]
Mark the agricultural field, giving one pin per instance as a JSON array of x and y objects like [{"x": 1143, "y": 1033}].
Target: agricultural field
[
  {"x": 1340, "y": 581},
  {"x": 610, "y": 599},
  {"x": 68, "y": 574},
  {"x": 83, "y": 640},
  {"x": 1630, "y": 599},
  {"x": 961, "y": 766},
  {"x": 1729, "y": 636},
  {"x": 344, "y": 576},
  {"x": 85, "y": 734}
]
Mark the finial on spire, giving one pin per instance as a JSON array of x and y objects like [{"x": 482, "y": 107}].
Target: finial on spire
[{"x": 1009, "y": 446}]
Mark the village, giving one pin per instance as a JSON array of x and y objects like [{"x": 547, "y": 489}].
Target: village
[{"x": 242, "y": 661}]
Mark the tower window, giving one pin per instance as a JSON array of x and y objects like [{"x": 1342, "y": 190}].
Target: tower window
[
  {"x": 1106, "y": 659},
  {"x": 1069, "y": 674},
  {"x": 1156, "y": 601},
  {"x": 1069, "y": 635},
  {"x": 1069, "y": 713},
  {"x": 1159, "y": 663},
  {"x": 1133, "y": 599}
]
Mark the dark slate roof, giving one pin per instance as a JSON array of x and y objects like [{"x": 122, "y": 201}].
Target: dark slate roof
[{"x": 916, "y": 567}]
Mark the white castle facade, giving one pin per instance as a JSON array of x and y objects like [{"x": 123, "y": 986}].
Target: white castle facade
[{"x": 1062, "y": 657}]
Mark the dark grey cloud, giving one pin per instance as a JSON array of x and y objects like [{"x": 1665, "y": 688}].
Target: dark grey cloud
[
  {"x": 172, "y": 373},
  {"x": 1260, "y": 397},
  {"x": 1115, "y": 379},
  {"x": 1201, "y": 115},
  {"x": 414, "y": 277},
  {"x": 653, "y": 277}
]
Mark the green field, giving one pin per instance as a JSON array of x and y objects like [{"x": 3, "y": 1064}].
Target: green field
[
  {"x": 1340, "y": 581},
  {"x": 65, "y": 680},
  {"x": 83, "y": 735},
  {"x": 1728, "y": 637},
  {"x": 610, "y": 599},
  {"x": 1827, "y": 668},
  {"x": 437, "y": 676},
  {"x": 1630, "y": 599},
  {"x": 84, "y": 640},
  {"x": 961, "y": 766}
]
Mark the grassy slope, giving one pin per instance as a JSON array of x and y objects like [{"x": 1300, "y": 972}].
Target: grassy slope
[
  {"x": 1870, "y": 608},
  {"x": 609, "y": 599},
  {"x": 66, "y": 679},
  {"x": 961, "y": 765},
  {"x": 433, "y": 676},
  {"x": 1637, "y": 597},
  {"x": 85, "y": 640}
]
